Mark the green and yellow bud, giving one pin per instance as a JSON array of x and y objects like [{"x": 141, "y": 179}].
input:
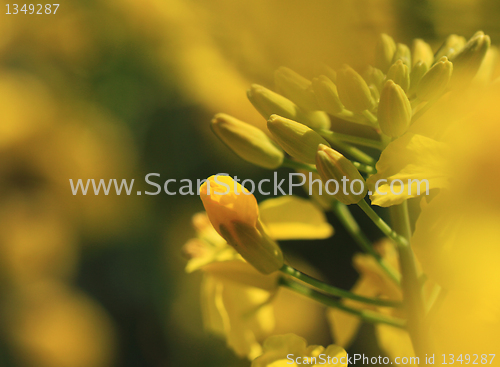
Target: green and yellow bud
[
  {"x": 248, "y": 142},
  {"x": 422, "y": 51},
  {"x": 417, "y": 72},
  {"x": 435, "y": 81},
  {"x": 295, "y": 87},
  {"x": 268, "y": 103},
  {"x": 296, "y": 139},
  {"x": 374, "y": 76},
  {"x": 402, "y": 53},
  {"x": 394, "y": 110},
  {"x": 399, "y": 74},
  {"x": 384, "y": 52},
  {"x": 466, "y": 63},
  {"x": 327, "y": 95},
  {"x": 234, "y": 213},
  {"x": 353, "y": 90},
  {"x": 333, "y": 166},
  {"x": 450, "y": 47}
]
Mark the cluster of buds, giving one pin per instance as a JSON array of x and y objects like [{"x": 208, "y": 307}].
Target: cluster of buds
[{"x": 403, "y": 83}]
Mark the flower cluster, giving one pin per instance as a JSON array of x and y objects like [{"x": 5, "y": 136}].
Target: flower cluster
[{"x": 426, "y": 289}]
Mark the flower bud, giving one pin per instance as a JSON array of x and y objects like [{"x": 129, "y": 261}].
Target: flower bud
[
  {"x": 422, "y": 51},
  {"x": 450, "y": 47},
  {"x": 234, "y": 213},
  {"x": 248, "y": 142},
  {"x": 434, "y": 82},
  {"x": 466, "y": 63},
  {"x": 402, "y": 53},
  {"x": 295, "y": 87},
  {"x": 268, "y": 103},
  {"x": 417, "y": 72},
  {"x": 295, "y": 138},
  {"x": 326, "y": 95},
  {"x": 374, "y": 76},
  {"x": 394, "y": 110},
  {"x": 334, "y": 166},
  {"x": 399, "y": 74},
  {"x": 384, "y": 52},
  {"x": 353, "y": 90}
]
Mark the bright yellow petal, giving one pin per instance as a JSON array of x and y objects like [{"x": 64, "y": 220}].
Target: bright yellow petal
[
  {"x": 291, "y": 217},
  {"x": 410, "y": 157}
]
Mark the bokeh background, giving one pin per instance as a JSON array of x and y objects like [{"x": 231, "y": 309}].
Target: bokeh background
[{"x": 118, "y": 89}]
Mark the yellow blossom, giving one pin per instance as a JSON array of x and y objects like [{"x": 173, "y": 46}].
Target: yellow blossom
[{"x": 234, "y": 213}]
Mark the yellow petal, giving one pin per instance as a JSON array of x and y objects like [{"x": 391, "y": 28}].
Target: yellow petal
[
  {"x": 410, "y": 157},
  {"x": 291, "y": 217}
]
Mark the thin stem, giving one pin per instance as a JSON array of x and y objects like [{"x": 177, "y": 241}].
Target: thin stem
[
  {"x": 290, "y": 163},
  {"x": 334, "y": 291},
  {"x": 350, "y": 116},
  {"x": 410, "y": 283},
  {"x": 423, "y": 110},
  {"x": 370, "y": 117},
  {"x": 334, "y": 137},
  {"x": 382, "y": 225},
  {"x": 344, "y": 215},
  {"x": 355, "y": 152},
  {"x": 365, "y": 315}
]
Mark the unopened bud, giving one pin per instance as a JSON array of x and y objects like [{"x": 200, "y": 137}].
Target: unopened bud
[
  {"x": 394, "y": 110},
  {"x": 248, "y": 142},
  {"x": 296, "y": 139},
  {"x": 402, "y": 53},
  {"x": 488, "y": 66},
  {"x": 384, "y": 52},
  {"x": 254, "y": 245},
  {"x": 340, "y": 176},
  {"x": 399, "y": 74},
  {"x": 315, "y": 187},
  {"x": 435, "y": 81},
  {"x": 374, "y": 76},
  {"x": 295, "y": 87},
  {"x": 417, "y": 72},
  {"x": 234, "y": 213},
  {"x": 268, "y": 103},
  {"x": 466, "y": 63},
  {"x": 326, "y": 95},
  {"x": 353, "y": 90},
  {"x": 422, "y": 51},
  {"x": 450, "y": 47}
]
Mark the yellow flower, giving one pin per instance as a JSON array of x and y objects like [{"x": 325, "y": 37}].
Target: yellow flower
[
  {"x": 234, "y": 213},
  {"x": 226, "y": 201},
  {"x": 292, "y": 350},
  {"x": 242, "y": 304}
]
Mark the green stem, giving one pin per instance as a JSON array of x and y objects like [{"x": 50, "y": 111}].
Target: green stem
[
  {"x": 412, "y": 295},
  {"x": 334, "y": 291},
  {"x": 290, "y": 163},
  {"x": 382, "y": 225},
  {"x": 343, "y": 213},
  {"x": 365, "y": 315},
  {"x": 370, "y": 117},
  {"x": 423, "y": 109},
  {"x": 355, "y": 152},
  {"x": 335, "y": 137}
]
